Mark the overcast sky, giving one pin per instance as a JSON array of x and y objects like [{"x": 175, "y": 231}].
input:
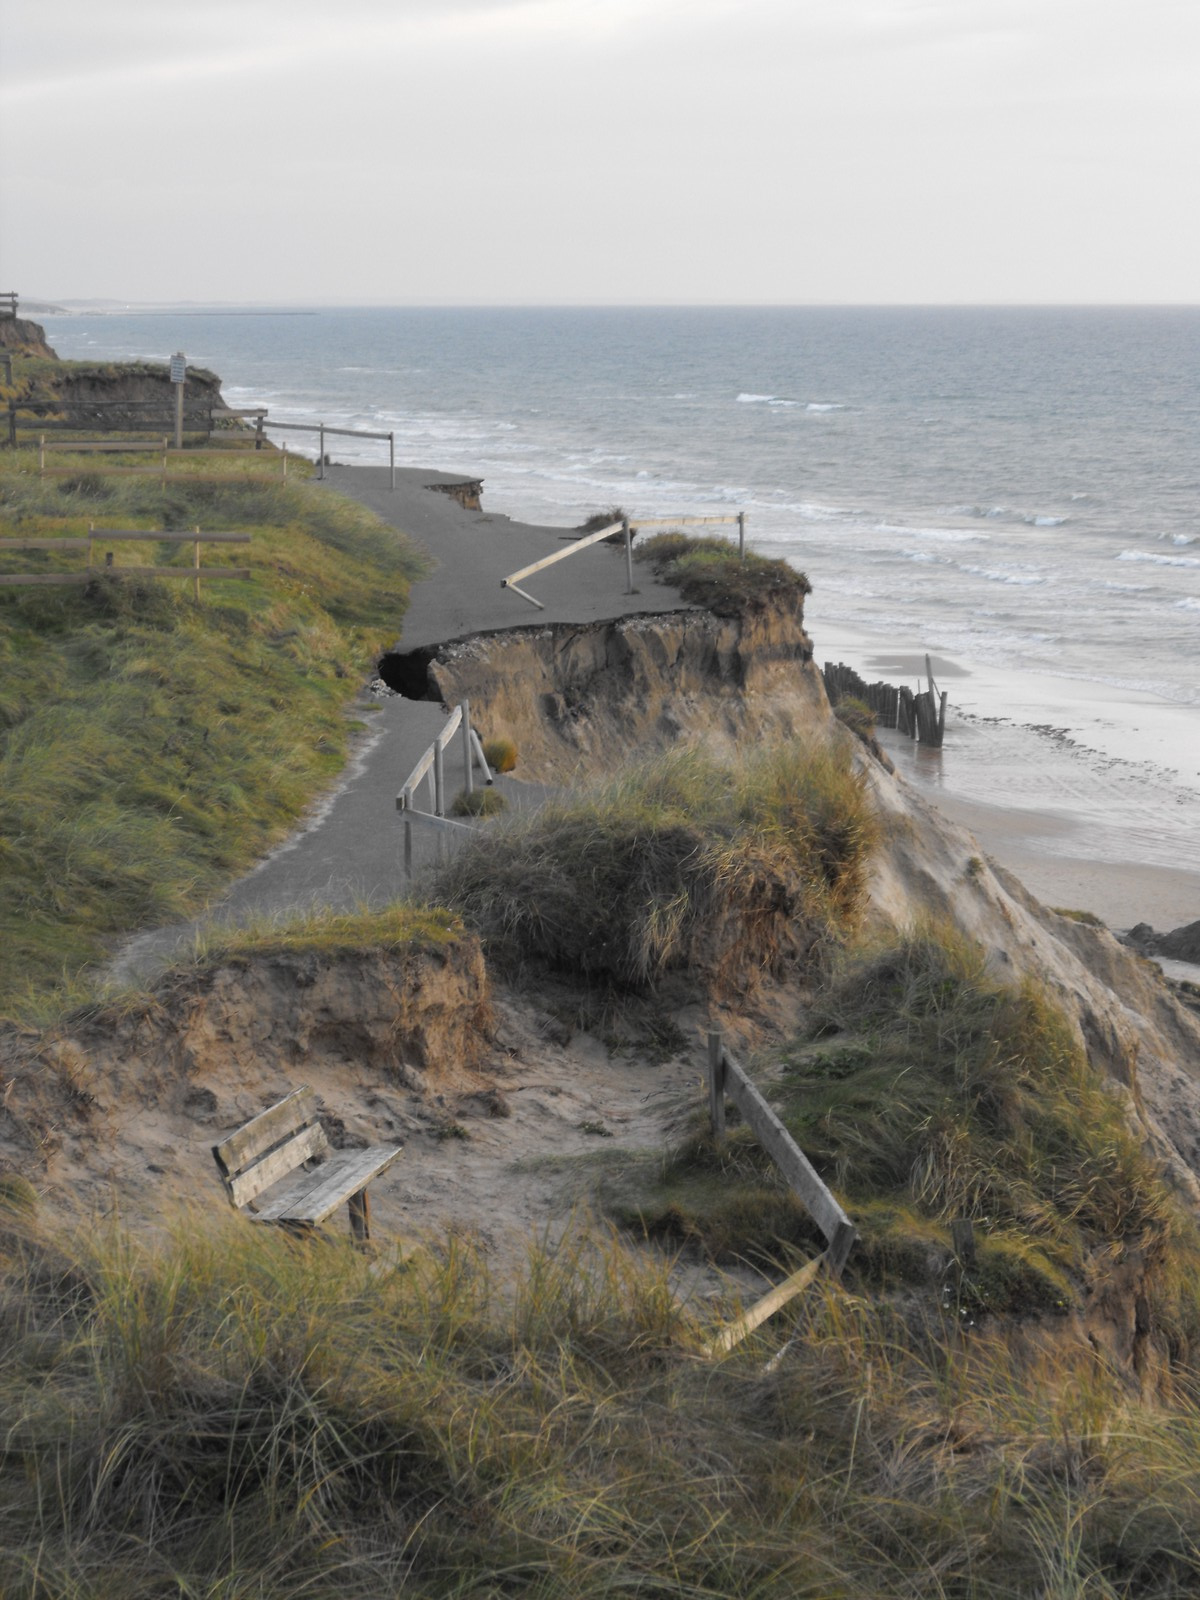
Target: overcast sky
[{"x": 601, "y": 151}]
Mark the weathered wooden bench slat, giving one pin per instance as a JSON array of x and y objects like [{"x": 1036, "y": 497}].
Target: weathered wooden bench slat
[
  {"x": 306, "y": 1145},
  {"x": 317, "y": 1194},
  {"x": 267, "y": 1129}
]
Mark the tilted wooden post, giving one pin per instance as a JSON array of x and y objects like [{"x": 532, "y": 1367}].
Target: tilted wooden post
[
  {"x": 716, "y": 1085},
  {"x": 628, "y": 532}
]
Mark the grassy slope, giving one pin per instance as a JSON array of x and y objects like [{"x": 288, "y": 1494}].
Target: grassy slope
[
  {"x": 244, "y": 1415},
  {"x": 153, "y": 746},
  {"x": 239, "y": 1414}
]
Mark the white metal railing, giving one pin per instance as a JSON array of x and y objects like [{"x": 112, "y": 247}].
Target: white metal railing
[
  {"x": 431, "y": 770},
  {"x": 322, "y": 429},
  {"x": 627, "y": 526}
]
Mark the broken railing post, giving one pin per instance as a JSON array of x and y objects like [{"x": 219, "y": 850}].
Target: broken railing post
[{"x": 716, "y": 1085}]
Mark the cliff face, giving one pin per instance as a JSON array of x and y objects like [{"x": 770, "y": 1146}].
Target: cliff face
[
  {"x": 19, "y": 336},
  {"x": 578, "y": 699},
  {"x": 588, "y": 694}
]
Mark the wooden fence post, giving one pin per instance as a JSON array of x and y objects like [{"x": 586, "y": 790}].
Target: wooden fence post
[
  {"x": 741, "y": 535},
  {"x": 439, "y": 782},
  {"x": 196, "y": 564},
  {"x": 628, "y": 532},
  {"x": 716, "y": 1084}
]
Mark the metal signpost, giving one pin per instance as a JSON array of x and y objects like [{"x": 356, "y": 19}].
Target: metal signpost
[{"x": 178, "y": 378}]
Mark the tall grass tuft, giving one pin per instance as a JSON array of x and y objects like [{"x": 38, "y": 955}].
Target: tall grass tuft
[
  {"x": 236, "y": 1413},
  {"x": 684, "y": 860},
  {"x": 925, "y": 1093},
  {"x": 150, "y": 745}
]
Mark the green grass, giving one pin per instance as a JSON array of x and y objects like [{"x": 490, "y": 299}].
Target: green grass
[
  {"x": 326, "y": 931},
  {"x": 709, "y": 573},
  {"x": 152, "y": 746},
  {"x": 923, "y": 1092},
  {"x": 683, "y": 862},
  {"x": 235, "y": 1413}
]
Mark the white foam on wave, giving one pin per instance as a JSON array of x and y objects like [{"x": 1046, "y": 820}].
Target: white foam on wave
[
  {"x": 1189, "y": 603},
  {"x": 1157, "y": 560},
  {"x": 942, "y": 535},
  {"x": 1037, "y": 520},
  {"x": 824, "y": 405},
  {"x": 1022, "y": 577},
  {"x": 1179, "y": 538}
]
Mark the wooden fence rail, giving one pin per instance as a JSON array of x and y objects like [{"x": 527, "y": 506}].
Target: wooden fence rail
[
  {"x": 727, "y": 1078},
  {"x": 95, "y": 536}
]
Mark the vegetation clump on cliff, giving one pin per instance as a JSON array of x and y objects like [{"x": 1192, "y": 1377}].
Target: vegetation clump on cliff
[
  {"x": 709, "y": 573},
  {"x": 151, "y": 745},
  {"x": 926, "y": 1093},
  {"x": 686, "y": 861}
]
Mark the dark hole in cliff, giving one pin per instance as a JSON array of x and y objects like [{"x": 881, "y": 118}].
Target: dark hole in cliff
[{"x": 407, "y": 672}]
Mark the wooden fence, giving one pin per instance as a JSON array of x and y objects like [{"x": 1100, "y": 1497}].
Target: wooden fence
[
  {"x": 431, "y": 770},
  {"x": 161, "y": 447},
  {"x": 626, "y": 528},
  {"x": 727, "y": 1078},
  {"x": 110, "y": 417},
  {"x": 920, "y": 715},
  {"x": 101, "y": 536}
]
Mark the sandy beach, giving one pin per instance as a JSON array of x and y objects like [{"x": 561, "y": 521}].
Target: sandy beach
[{"x": 1090, "y": 795}]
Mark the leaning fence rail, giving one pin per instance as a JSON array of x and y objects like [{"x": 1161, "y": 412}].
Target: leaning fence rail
[
  {"x": 727, "y": 1078},
  {"x": 626, "y": 527},
  {"x": 97, "y": 536},
  {"x": 431, "y": 770}
]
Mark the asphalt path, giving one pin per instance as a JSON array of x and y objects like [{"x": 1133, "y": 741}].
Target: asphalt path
[{"x": 348, "y": 851}]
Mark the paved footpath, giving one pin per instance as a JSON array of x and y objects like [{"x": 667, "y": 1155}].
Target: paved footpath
[{"x": 348, "y": 851}]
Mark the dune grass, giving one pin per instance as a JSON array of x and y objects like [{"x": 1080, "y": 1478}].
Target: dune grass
[
  {"x": 709, "y": 573},
  {"x": 924, "y": 1092},
  {"x": 152, "y": 745},
  {"x": 237, "y": 1413},
  {"x": 684, "y": 861}
]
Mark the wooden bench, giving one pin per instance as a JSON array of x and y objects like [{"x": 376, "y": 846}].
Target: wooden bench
[{"x": 288, "y": 1140}]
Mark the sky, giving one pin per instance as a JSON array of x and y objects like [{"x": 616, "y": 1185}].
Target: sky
[{"x": 546, "y": 152}]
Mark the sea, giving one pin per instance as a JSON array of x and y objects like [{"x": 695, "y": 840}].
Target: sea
[{"x": 1013, "y": 491}]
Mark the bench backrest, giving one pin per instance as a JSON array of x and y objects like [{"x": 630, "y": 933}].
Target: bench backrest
[{"x": 270, "y": 1146}]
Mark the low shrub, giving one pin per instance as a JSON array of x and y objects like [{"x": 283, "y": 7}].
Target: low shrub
[
  {"x": 709, "y": 573},
  {"x": 856, "y": 715},
  {"x": 478, "y": 803},
  {"x": 500, "y": 754},
  {"x": 684, "y": 861}
]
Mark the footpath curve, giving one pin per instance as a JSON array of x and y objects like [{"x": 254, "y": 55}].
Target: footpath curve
[{"x": 347, "y": 851}]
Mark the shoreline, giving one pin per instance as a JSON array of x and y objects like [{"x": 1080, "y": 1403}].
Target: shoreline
[{"x": 1087, "y": 794}]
